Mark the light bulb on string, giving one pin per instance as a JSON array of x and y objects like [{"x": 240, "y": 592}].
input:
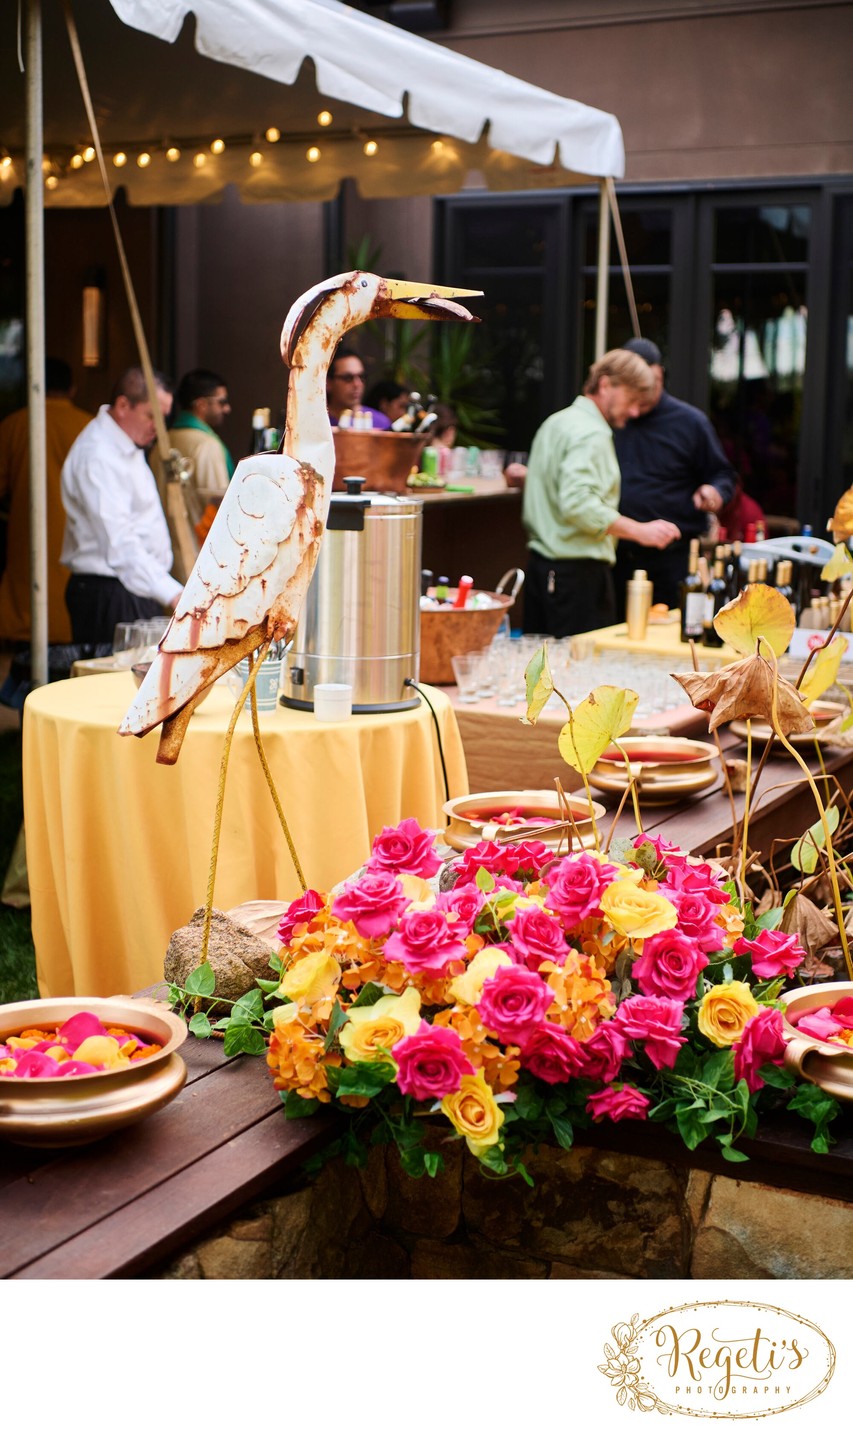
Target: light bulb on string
[
  {"x": 312, "y": 154},
  {"x": 324, "y": 118},
  {"x": 51, "y": 182},
  {"x": 217, "y": 146},
  {"x": 89, "y": 154},
  {"x": 370, "y": 147},
  {"x": 76, "y": 161},
  {"x": 255, "y": 159},
  {"x": 119, "y": 159},
  {"x": 273, "y": 135},
  {"x": 173, "y": 154},
  {"x": 143, "y": 160},
  {"x": 199, "y": 160}
]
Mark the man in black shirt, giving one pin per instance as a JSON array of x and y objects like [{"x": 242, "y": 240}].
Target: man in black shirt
[{"x": 673, "y": 467}]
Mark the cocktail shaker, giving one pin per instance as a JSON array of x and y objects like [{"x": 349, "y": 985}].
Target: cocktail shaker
[{"x": 639, "y": 601}]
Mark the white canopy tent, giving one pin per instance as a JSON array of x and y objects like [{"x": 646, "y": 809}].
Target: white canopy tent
[{"x": 411, "y": 117}]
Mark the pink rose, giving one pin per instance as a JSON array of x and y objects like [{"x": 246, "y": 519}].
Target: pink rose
[
  {"x": 408, "y": 848},
  {"x": 575, "y": 886},
  {"x": 430, "y": 1063},
  {"x": 696, "y": 878},
  {"x": 617, "y": 1103},
  {"x": 513, "y": 1003},
  {"x": 525, "y": 859},
  {"x": 762, "y": 1041},
  {"x": 656, "y": 1022},
  {"x": 373, "y": 903},
  {"x": 669, "y": 966},
  {"x": 537, "y": 936},
  {"x": 662, "y": 846},
  {"x": 466, "y": 902},
  {"x": 550, "y": 1054},
  {"x": 603, "y": 1053},
  {"x": 301, "y": 910},
  {"x": 424, "y": 942},
  {"x": 772, "y": 954},
  {"x": 486, "y": 855},
  {"x": 697, "y": 917}
]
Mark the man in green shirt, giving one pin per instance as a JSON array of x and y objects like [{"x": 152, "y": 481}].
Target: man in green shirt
[{"x": 571, "y": 502}]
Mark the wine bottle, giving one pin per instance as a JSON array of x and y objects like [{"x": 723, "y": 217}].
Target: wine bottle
[
  {"x": 783, "y": 579},
  {"x": 733, "y": 576},
  {"x": 717, "y": 596},
  {"x": 692, "y": 598}
]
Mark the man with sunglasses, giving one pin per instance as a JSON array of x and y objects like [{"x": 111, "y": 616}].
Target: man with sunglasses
[{"x": 345, "y": 389}]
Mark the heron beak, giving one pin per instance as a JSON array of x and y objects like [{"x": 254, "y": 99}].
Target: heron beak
[{"x": 403, "y": 299}]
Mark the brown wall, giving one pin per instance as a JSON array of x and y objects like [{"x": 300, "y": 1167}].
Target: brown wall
[{"x": 703, "y": 89}]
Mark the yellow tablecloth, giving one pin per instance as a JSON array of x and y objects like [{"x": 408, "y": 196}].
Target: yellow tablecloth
[{"x": 118, "y": 846}]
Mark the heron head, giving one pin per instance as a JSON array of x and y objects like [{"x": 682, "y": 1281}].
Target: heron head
[{"x": 345, "y": 300}]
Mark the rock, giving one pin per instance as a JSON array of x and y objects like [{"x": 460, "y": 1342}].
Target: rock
[
  {"x": 236, "y": 956},
  {"x": 457, "y": 1261},
  {"x": 751, "y": 1230},
  {"x": 428, "y": 1207}
]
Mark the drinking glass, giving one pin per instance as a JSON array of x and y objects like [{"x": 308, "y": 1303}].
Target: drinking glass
[
  {"x": 466, "y": 671},
  {"x": 124, "y": 644}
]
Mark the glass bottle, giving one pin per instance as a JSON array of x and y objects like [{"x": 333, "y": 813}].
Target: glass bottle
[
  {"x": 691, "y": 598},
  {"x": 717, "y": 596}
]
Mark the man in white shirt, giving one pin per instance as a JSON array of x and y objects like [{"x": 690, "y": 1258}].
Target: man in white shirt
[{"x": 116, "y": 538}]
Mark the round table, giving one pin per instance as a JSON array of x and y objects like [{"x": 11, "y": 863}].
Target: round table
[{"x": 118, "y": 846}]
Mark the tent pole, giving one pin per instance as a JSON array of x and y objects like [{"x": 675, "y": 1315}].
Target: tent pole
[
  {"x": 601, "y": 297},
  {"x": 36, "y": 346}
]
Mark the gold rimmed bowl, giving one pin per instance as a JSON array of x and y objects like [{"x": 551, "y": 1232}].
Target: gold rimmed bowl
[
  {"x": 823, "y": 712},
  {"x": 829, "y": 1065},
  {"x": 664, "y": 768},
  {"x": 67, "y": 1112},
  {"x": 513, "y": 815}
]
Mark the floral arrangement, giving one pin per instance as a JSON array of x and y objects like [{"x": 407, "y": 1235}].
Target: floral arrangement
[{"x": 536, "y": 995}]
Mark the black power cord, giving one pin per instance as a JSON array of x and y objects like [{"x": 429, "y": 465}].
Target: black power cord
[{"x": 410, "y": 684}]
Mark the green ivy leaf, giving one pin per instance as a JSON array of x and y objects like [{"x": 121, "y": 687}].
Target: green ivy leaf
[
  {"x": 804, "y": 853},
  {"x": 494, "y": 1160},
  {"x": 296, "y": 1106},
  {"x": 249, "y": 1008},
  {"x": 690, "y": 1126},
  {"x": 268, "y": 985},
  {"x": 200, "y": 1025},
  {"x": 485, "y": 880},
  {"x": 240, "y": 1038},
  {"x": 370, "y": 994},
  {"x": 528, "y": 1103},
  {"x": 771, "y": 919},
  {"x": 337, "y": 1018},
  {"x": 776, "y": 1077},
  {"x": 201, "y": 982},
  {"x": 563, "y": 1130},
  {"x": 523, "y": 1173},
  {"x": 732, "y": 1155},
  {"x": 413, "y": 1162},
  {"x": 434, "y": 1163},
  {"x": 362, "y": 1079}
]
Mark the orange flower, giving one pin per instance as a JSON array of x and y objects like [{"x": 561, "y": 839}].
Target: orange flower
[
  {"x": 582, "y": 994},
  {"x": 731, "y": 921},
  {"x": 297, "y": 1059}
]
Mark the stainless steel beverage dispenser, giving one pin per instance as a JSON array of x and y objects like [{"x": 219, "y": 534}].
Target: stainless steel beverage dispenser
[{"x": 360, "y": 624}]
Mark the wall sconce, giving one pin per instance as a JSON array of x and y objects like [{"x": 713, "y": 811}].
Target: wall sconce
[{"x": 94, "y": 326}]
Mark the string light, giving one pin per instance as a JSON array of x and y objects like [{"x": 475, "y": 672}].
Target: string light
[
  {"x": 119, "y": 159},
  {"x": 173, "y": 154},
  {"x": 273, "y": 135},
  {"x": 370, "y": 147},
  {"x": 255, "y": 159},
  {"x": 6, "y": 163},
  {"x": 324, "y": 118},
  {"x": 46, "y": 166},
  {"x": 89, "y": 154},
  {"x": 143, "y": 160},
  {"x": 51, "y": 182},
  {"x": 217, "y": 146},
  {"x": 437, "y": 146},
  {"x": 76, "y": 162},
  {"x": 312, "y": 154},
  {"x": 199, "y": 160}
]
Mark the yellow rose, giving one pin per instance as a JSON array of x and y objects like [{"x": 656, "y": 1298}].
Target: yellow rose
[
  {"x": 417, "y": 890},
  {"x": 311, "y": 978},
  {"x": 381, "y": 1025},
  {"x": 474, "y": 1113},
  {"x": 633, "y": 912},
  {"x": 469, "y": 985},
  {"x": 724, "y": 1012}
]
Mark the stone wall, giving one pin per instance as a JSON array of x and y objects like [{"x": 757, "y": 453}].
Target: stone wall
[{"x": 591, "y": 1214}]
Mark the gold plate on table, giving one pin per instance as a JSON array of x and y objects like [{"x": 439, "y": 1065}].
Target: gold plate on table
[
  {"x": 479, "y": 818},
  {"x": 823, "y": 714},
  {"x": 67, "y": 1112},
  {"x": 829, "y": 1065},
  {"x": 665, "y": 768}
]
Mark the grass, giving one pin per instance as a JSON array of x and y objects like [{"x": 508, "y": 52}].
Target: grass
[{"x": 17, "y": 955}]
